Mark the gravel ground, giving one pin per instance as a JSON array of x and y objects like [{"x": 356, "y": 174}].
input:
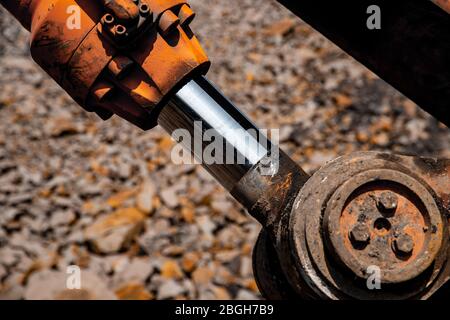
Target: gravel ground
[{"x": 105, "y": 196}]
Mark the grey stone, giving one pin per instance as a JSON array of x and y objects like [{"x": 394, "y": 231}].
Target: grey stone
[
  {"x": 144, "y": 200},
  {"x": 59, "y": 218},
  {"x": 50, "y": 285},
  {"x": 246, "y": 295},
  {"x": 169, "y": 197},
  {"x": 170, "y": 289}
]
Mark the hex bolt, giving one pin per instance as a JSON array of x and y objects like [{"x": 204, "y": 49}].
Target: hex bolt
[
  {"x": 387, "y": 201},
  {"x": 168, "y": 22},
  {"x": 360, "y": 234},
  {"x": 403, "y": 244}
]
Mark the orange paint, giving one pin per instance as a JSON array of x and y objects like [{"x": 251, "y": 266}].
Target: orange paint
[{"x": 82, "y": 59}]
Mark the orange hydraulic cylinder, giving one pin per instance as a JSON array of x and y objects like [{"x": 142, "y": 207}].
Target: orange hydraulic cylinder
[{"x": 116, "y": 56}]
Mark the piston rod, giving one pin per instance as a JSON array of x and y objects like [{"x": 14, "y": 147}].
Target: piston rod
[{"x": 198, "y": 115}]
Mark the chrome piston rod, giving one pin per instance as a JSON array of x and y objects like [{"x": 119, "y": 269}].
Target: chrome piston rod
[{"x": 198, "y": 115}]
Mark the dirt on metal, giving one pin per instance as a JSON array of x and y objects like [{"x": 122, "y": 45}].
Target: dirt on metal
[
  {"x": 370, "y": 209},
  {"x": 83, "y": 58}
]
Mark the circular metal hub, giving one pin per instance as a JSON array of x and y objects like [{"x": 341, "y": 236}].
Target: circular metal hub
[
  {"x": 401, "y": 238},
  {"x": 367, "y": 212}
]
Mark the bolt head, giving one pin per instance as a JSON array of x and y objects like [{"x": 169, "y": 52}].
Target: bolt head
[
  {"x": 403, "y": 244},
  {"x": 387, "y": 201},
  {"x": 360, "y": 234}
]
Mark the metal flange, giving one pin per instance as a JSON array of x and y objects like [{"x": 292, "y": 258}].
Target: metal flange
[
  {"x": 369, "y": 210},
  {"x": 401, "y": 240}
]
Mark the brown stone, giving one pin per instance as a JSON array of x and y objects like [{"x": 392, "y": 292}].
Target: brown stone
[
  {"x": 171, "y": 270},
  {"x": 202, "y": 275},
  {"x": 115, "y": 231},
  {"x": 189, "y": 261},
  {"x": 144, "y": 199},
  {"x": 133, "y": 291},
  {"x": 280, "y": 28},
  {"x": 220, "y": 293},
  {"x": 120, "y": 198}
]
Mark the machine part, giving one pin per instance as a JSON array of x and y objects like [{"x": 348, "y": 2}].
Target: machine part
[
  {"x": 417, "y": 217},
  {"x": 102, "y": 51},
  {"x": 267, "y": 270},
  {"x": 268, "y": 197},
  {"x": 168, "y": 22},
  {"x": 186, "y": 15},
  {"x": 123, "y": 9},
  {"x": 120, "y": 66},
  {"x": 361, "y": 213},
  {"x": 246, "y": 162},
  {"x": 202, "y": 115},
  {"x": 266, "y": 182},
  {"x": 338, "y": 232},
  {"x": 411, "y": 51}
]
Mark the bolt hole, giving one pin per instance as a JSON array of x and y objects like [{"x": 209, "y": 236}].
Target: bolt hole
[
  {"x": 109, "y": 18},
  {"x": 121, "y": 29},
  {"x": 143, "y": 8},
  {"x": 382, "y": 224}
]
